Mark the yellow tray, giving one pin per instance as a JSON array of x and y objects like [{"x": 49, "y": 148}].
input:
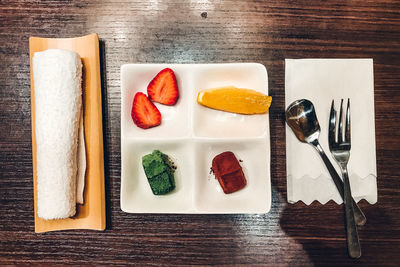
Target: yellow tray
[{"x": 92, "y": 214}]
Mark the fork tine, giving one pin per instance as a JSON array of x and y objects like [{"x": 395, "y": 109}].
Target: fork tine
[
  {"x": 347, "y": 130},
  {"x": 332, "y": 126},
  {"x": 340, "y": 130}
]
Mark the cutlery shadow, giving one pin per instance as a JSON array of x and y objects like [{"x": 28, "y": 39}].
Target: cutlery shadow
[
  {"x": 315, "y": 232},
  {"x": 319, "y": 229}
]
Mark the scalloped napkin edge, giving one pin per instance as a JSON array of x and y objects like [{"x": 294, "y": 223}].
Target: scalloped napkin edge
[{"x": 307, "y": 189}]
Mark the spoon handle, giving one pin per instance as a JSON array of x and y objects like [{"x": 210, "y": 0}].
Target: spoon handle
[{"x": 359, "y": 216}]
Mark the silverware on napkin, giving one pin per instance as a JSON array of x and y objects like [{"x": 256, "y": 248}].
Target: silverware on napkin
[
  {"x": 340, "y": 145},
  {"x": 301, "y": 118}
]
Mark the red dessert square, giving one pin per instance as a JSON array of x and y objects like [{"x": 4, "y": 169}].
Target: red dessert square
[
  {"x": 228, "y": 172},
  {"x": 225, "y": 163}
]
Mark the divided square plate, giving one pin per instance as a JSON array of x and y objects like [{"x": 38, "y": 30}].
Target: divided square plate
[{"x": 192, "y": 135}]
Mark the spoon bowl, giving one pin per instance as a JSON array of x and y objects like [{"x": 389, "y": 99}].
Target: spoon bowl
[{"x": 302, "y": 119}]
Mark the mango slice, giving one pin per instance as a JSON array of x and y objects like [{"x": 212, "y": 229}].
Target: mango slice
[{"x": 235, "y": 100}]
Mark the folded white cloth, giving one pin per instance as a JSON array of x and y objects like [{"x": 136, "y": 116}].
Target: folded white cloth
[
  {"x": 58, "y": 114},
  {"x": 320, "y": 81}
]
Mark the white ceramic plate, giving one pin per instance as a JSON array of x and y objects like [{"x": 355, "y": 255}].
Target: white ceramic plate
[{"x": 192, "y": 135}]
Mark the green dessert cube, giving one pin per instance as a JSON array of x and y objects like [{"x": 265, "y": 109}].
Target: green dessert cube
[
  {"x": 154, "y": 164},
  {"x": 159, "y": 172},
  {"x": 161, "y": 184}
]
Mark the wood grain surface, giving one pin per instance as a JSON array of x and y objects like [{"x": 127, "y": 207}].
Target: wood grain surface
[{"x": 200, "y": 32}]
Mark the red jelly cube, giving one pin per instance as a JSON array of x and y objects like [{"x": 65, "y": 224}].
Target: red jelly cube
[{"x": 228, "y": 172}]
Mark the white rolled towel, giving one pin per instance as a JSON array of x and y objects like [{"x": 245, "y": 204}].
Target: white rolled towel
[{"x": 57, "y": 76}]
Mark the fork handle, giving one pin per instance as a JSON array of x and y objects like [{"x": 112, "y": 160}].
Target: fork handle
[
  {"x": 353, "y": 243},
  {"x": 358, "y": 214}
]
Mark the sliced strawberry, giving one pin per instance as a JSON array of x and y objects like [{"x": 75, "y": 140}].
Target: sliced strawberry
[
  {"x": 144, "y": 113},
  {"x": 163, "y": 88}
]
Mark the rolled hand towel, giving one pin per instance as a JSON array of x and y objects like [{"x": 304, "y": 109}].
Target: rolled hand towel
[{"x": 57, "y": 76}]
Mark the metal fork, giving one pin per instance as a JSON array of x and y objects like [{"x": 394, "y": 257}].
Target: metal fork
[{"x": 339, "y": 145}]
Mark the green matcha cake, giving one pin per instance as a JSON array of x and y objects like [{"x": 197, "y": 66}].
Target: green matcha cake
[{"x": 159, "y": 171}]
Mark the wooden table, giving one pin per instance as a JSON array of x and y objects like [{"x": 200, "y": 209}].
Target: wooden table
[{"x": 200, "y": 32}]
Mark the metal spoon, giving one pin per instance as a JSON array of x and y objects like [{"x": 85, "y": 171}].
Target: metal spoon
[{"x": 301, "y": 118}]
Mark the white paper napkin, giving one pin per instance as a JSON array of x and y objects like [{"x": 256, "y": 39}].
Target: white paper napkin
[{"x": 320, "y": 81}]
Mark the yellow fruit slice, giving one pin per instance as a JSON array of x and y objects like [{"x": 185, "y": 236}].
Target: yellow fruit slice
[{"x": 236, "y": 100}]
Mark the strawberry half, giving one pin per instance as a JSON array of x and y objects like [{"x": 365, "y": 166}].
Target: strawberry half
[
  {"x": 144, "y": 113},
  {"x": 163, "y": 88}
]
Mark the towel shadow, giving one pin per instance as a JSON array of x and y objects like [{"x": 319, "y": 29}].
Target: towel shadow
[{"x": 103, "y": 75}]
